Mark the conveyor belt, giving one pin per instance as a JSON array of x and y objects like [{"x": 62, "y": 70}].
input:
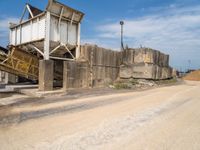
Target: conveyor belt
[
  {"x": 23, "y": 64},
  {"x": 20, "y": 63}
]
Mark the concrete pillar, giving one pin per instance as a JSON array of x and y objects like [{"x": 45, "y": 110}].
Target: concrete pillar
[
  {"x": 65, "y": 76},
  {"x": 46, "y": 75}
]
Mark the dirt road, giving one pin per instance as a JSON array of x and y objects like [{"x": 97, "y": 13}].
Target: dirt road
[{"x": 166, "y": 118}]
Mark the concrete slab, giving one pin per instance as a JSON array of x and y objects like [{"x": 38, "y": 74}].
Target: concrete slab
[
  {"x": 12, "y": 99},
  {"x": 15, "y": 88},
  {"x": 37, "y": 93}
]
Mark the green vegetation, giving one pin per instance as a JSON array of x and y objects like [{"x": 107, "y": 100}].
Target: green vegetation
[
  {"x": 167, "y": 81},
  {"x": 122, "y": 86},
  {"x": 140, "y": 83}
]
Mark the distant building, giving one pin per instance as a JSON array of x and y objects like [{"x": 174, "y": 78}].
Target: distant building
[{"x": 7, "y": 78}]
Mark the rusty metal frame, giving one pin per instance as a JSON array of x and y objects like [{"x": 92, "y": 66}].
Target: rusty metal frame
[{"x": 20, "y": 67}]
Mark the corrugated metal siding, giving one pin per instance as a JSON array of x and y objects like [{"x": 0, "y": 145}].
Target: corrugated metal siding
[
  {"x": 28, "y": 31},
  {"x": 13, "y": 36},
  {"x": 54, "y": 29},
  {"x": 18, "y": 39},
  {"x": 68, "y": 31},
  {"x": 72, "y": 34},
  {"x": 64, "y": 32},
  {"x": 41, "y": 30},
  {"x": 35, "y": 30}
]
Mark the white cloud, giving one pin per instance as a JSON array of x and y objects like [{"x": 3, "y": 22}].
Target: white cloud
[
  {"x": 4, "y": 28},
  {"x": 175, "y": 31},
  {"x": 178, "y": 26},
  {"x": 101, "y": 43}
]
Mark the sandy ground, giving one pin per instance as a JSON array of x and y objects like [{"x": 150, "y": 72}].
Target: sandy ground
[
  {"x": 193, "y": 76},
  {"x": 166, "y": 118}
]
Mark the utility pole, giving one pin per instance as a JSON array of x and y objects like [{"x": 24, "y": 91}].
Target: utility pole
[{"x": 122, "y": 32}]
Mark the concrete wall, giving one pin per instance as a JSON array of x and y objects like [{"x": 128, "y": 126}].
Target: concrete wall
[
  {"x": 145, "y": 71},
  {"x": 76, "y": 75},
  {"x": 98, "y": 66},
  {"x": 103, "y": 63},
  {"x": 145, "y": 63},
  {"x": 145, "y": 55}
]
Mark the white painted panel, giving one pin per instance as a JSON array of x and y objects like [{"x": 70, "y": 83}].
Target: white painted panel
[
  {"x": 42, "y": 28},
  {"x": 72, "y": 34},
  {"x": 68, "y": 32},
  {"x": 63, "y": 30},
  {"x": 35, "y": 30},
  {"x": 13, "y": 35},
  {"x": 54, "y": 29},
  {"x": 18, "y": 35},
  {"x": 26, "y": 33}
]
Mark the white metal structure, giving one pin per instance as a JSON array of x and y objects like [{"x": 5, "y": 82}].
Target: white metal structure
[{"x": 52, "y": 33}]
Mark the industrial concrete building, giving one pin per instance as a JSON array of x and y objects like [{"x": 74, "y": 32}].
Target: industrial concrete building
[
  {"x": 53, "y": 34},
  {"x": 45, "y": 47}
]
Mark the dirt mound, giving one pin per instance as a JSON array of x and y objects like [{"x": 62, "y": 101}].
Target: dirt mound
[{"x": 193, "y": 76}]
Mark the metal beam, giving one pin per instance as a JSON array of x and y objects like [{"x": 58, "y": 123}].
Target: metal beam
[
  {"x": 47, "y": 36},
  {"x": 37, "y": 49},
  {"x": 64, "y": 59},
  {"x": 78, "y": 41},
  {"x": 24, "y": 11},
  {"x": 72, "y": 18},
  {"x": 55, "y": 49},
  {"x": 29, "y": 10},
  {"x": 69, "y": 51},
  {"x": 59, "y": 23}
]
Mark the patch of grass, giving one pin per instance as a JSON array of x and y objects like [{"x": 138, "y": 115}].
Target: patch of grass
[
  {"x": 133, "y": 81},
  {"x": 122, "y": 86},
  {"x": 167, "y": 81}
]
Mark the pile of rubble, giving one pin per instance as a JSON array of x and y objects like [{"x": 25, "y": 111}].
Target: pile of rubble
[
  {"x": 133, "y": 84},
  {"x": 141, "y": 83}
]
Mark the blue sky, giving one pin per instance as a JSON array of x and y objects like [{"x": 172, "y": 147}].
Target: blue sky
[{"x": 172, "y": 26}]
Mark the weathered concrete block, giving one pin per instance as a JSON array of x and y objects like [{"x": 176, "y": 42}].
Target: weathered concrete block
[
  {"x": 166, "y": 73},
  {"x": 75, "y": 75},
  {"x": 139, "y": 56},
  {"x": 145, "y": 71},
  {"x": 46, "y": 75},
  {"x": 128, "y": 56},
  {"x": 142, "y": 70},
  {"x": 126, "y": 71},
  {"x": 137, "y": 63},
  {"x": 158, "y": 72},
  {"x": 145, "y": 55},
  {"x": 175, "y": 73}
]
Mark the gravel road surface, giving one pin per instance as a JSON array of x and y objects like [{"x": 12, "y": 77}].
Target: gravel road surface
[{"x": 165, "y": 118}]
